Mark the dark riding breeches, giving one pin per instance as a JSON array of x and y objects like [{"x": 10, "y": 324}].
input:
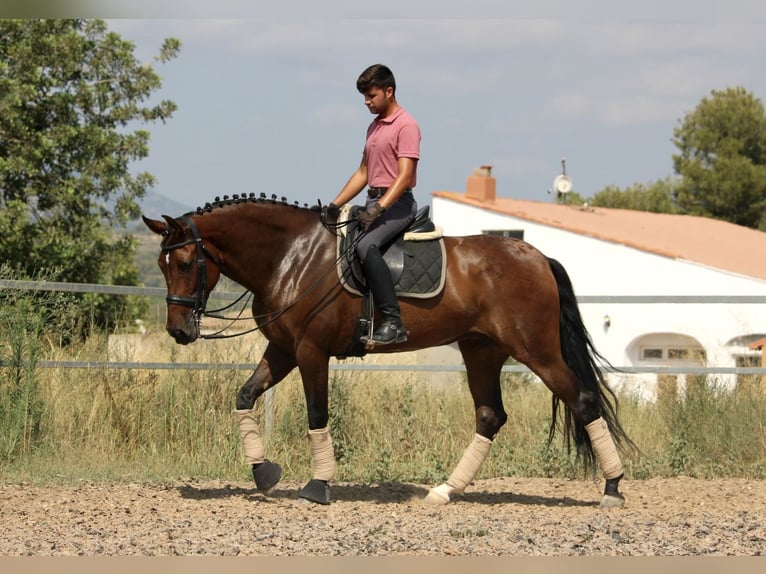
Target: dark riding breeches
[{"x": 388, "y": 226}]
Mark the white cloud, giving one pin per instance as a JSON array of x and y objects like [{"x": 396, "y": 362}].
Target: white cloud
[
  {"x": 338, "y": 115},
  {"x": 522, "y": 166},
  {"x": 618, "y": 110},
  {"x": 678, "y": 36},
  {"x": 431, "y": 9}
]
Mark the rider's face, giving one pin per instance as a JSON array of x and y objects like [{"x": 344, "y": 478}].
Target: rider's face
[{"x": 378, "y": 100}]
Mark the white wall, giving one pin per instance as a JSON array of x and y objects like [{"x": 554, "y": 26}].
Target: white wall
[{"x": 599, "y": 267}]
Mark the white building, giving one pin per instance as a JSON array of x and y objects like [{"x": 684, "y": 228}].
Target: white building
[{"x": 617, "y": 253}]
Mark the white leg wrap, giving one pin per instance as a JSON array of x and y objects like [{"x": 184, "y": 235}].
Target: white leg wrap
[
  {"x": 322, "y": 454},
  {"x": 464, "y": 473},
  {"x": 439, "y": 495},
  {"x": 603, "y": 446},
  {"x": 252, "y": 445}
]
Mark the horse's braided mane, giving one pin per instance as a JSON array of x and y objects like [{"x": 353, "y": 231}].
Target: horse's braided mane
[{"x": 249, "y": 198}]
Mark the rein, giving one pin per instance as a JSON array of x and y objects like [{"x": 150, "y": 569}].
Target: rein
[{"x": 199, "y": 301}]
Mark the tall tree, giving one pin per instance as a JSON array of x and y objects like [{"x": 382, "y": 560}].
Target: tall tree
[
  {"x": 722, "y": 158},
  {"x": 73, "y": 103},
  {"x": 656, "y": 197}
]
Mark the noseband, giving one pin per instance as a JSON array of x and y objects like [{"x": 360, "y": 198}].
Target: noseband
[{"x": 199, "y": 301}]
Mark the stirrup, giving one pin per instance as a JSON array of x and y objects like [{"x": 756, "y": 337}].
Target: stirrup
[{"x": 389, "y": 332}]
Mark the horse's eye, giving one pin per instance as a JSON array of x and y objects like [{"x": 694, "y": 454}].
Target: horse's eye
[{"x": 185, "y": 266}]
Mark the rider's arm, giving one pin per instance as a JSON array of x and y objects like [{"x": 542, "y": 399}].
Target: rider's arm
[{"x": 354, "y": 185}]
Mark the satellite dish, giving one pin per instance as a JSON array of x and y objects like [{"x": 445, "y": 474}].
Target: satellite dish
[{"x": 562, "y": 184}]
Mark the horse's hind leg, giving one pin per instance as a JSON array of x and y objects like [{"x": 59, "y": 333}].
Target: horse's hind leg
[
  {"x": 274, "y": 367},
  {"x": 609, "y": 461},
  {"x": 483, "y": 362},
  {"x": 583, "y": 405}
]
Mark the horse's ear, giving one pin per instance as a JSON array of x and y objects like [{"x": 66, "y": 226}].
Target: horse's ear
[
  {"x": 158, "y": 227},
  {"x": 173, "y": 226}
]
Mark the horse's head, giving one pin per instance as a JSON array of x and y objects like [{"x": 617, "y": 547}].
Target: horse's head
[{"x": 183, "y": 260}]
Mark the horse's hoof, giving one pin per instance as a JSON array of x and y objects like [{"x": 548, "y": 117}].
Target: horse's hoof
[
  {"x": 266, "y": 475},
  {"x": 436, "y": 499},
  {"x": 612, "y": 501},
  {"x": 316, "y": 491},
  {"x": 438, "y": 495}
]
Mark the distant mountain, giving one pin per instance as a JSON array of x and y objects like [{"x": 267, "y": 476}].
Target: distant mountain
[{"x": 154, "y": 205}]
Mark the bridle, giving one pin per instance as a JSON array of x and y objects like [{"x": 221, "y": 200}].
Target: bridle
[{"x": 199, "y": 301}]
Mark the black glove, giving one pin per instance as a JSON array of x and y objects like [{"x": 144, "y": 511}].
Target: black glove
[
  {"x": 369, "y": 215},
  {"x": 330, "y": 212}
]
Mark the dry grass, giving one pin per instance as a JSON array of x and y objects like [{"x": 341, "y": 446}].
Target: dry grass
[{"x": 144, "y": 425}]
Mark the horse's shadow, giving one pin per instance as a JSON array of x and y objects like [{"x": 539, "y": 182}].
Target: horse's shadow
[{"x": 382, "y": 493}]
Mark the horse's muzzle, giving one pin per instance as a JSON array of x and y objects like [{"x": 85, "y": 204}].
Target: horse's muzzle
[
  {"x": 184, "y": 328},
  {"x": 183, "y": 336}
]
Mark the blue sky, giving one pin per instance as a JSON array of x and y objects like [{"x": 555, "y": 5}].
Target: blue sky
[{"x": 269, "y": 104}]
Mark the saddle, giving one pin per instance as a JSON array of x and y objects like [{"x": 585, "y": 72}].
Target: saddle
[{"x": 416, "y": 259}]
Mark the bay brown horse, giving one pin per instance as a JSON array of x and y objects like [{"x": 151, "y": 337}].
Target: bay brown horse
[{"x": 502, "y": 298}]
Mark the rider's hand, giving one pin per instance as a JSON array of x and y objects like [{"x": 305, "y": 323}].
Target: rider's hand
[
  {"x": 330, "y": 212},
  {"x": 369, "y": 215}
]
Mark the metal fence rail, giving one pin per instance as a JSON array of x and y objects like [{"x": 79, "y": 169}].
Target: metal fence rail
[
  {"x": 230, "y": 296},
  {"x": 380, "y": 367},
  {"x": 103, "y": 289}
]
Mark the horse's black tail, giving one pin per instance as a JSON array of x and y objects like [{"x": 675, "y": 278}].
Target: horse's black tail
[{"x": 586, "y": 363}]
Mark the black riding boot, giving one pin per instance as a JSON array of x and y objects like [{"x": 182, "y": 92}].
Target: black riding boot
[{"x": 391, "y": 329}]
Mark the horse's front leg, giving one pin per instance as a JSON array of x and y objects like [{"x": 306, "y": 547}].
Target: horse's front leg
[
  {"x": 483, "y": 362},
  {"x": 273, "y": 367},
  {"x": 313, "y": 366}
]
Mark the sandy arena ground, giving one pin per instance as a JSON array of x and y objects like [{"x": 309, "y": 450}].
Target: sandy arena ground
[{"x": 497, "y": 517}]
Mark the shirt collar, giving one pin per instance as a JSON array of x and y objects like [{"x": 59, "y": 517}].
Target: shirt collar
[{"x": 392, "y": 117}]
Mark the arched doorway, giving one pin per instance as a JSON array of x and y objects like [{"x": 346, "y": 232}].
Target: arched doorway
[{"x": 669, "y": 350}]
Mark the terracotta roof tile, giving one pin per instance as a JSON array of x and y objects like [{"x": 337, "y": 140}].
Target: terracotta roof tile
[{"x": 702, "y": 240}]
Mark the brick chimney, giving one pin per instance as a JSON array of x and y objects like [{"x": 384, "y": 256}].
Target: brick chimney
[{"x": 481, "y": 185}]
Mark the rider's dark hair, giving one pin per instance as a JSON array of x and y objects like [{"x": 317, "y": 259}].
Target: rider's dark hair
[{"x": 376, "y": 76}]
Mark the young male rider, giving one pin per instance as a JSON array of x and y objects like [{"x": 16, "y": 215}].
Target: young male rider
[{"x": 389, "y": 170}]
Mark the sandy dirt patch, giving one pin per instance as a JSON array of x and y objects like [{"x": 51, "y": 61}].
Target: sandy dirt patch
[{"x": 497, "y": 517}]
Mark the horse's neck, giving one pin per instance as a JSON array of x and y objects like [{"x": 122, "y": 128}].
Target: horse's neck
[{"x": 268, "y": 248}]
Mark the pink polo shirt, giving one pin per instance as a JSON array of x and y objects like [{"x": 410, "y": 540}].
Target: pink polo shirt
[{"x": 389, "y": 139}]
